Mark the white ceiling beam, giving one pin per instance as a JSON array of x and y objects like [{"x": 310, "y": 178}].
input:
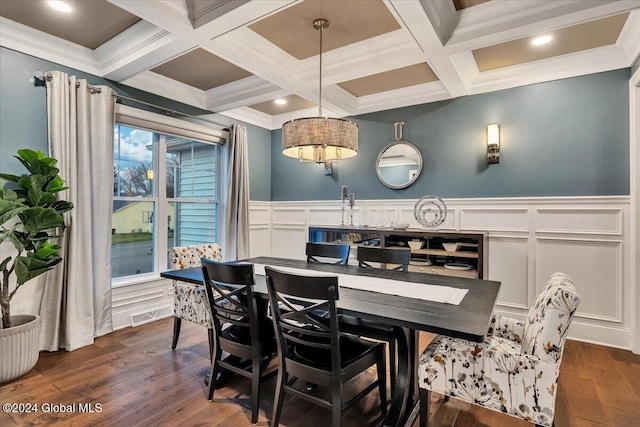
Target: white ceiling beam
[
  {"x": 252, "y": 116},
  {"x": 248, "y": 91},
  {"x": 590, "y": 61},
  {"x": 497, "y": 22},
  {"x": 139, "y": 48},
  {"x": 412, "y": 95},
  {"x": 249, "y": 51},
  {"x": 168, "y": 15},
  {"x": 241, "y": 16},
  {"x": 169, "y": 88},
  {"x": 376, "y": 55},
  {"x": 51, "y": 48},
  {"x": 413, "y": 17}
]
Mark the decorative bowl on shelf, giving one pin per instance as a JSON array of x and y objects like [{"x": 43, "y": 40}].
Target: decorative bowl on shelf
[
  {"x": 458, "y": 266},
  {"x": 415, "y": 244},
  {"x": 450, "y": 247}
]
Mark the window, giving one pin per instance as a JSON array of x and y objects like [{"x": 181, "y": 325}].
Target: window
[{"x": 158, "y": 175}]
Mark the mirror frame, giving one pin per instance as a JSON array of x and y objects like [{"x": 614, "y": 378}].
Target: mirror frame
[{"x": 412, "y": 180}]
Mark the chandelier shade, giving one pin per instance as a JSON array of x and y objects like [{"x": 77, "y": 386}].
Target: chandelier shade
[{"x": 319, "y": 139}]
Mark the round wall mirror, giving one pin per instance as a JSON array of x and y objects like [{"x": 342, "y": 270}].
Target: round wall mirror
[{"x": 399, "y": 164}]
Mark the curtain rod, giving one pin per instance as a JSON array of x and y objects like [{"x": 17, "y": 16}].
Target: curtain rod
[{"x": 46, "y": 76}]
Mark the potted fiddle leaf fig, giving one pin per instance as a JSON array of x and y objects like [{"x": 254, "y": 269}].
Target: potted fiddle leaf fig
[{"x": 30, "y": 217}]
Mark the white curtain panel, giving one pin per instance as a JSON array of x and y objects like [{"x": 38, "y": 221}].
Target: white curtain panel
[
  {"x": 236, "y": 157},
  {"x": 76, "y": 305}
]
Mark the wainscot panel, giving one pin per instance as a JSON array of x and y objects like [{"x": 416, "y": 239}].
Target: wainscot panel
[{"x": 529, "y": 239}]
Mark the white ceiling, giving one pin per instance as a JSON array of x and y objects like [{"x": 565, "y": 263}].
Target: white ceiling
[{"x": 431, "y": 32}]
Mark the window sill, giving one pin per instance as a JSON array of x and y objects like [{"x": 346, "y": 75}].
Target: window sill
[{"x": 121, "y": 282}]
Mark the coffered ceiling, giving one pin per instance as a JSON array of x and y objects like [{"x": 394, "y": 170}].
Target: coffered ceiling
[{"x": 236, "y": 57}]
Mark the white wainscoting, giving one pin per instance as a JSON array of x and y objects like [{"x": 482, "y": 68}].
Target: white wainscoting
[{"x": 528, "y": 240}]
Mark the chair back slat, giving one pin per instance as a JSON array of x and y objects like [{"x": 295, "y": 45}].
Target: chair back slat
[
  {"x": 319, "y": 253},
  {"x": 229, "y": 289},
  {"x": 289, "y": 295},
  {"x": 367, "y": 255}
]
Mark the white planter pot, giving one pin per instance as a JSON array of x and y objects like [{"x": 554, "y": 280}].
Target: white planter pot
[{"x": 20, "y": 346}]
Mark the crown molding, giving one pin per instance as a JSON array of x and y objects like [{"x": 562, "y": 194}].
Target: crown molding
[
  {"x": 168, "y": 88},
  {"x": 171, "y": 16},
  {"x": 248, "y": 91},
  {"x": 128, "y": 53},
  {"x": 201, "y": 13},
  {"x": 591, "y": 61},
  {"x": 465, "y": 67},
  {"x": 496, "y": 22},
  {"x": 249, "y": 115},
  {"x": 338, "y": 101},
  {"x": 412, "y": 95},
  {"x": 629, "y": 40},
  {"x": 240, "y": 16},
  {"x": 30, "y": 41}
]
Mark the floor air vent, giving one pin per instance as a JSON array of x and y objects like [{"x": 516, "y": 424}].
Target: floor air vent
[{"x": 149, "y": 316}]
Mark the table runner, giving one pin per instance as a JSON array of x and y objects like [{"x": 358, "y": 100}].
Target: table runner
[{"x": 435, "y": 293}]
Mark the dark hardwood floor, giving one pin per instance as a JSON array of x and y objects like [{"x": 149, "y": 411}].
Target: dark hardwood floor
[{"x": 137, "y": 379}]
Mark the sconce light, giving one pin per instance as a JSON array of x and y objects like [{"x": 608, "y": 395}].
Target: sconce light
[
  {"x": 149, "y": 174},
  {"x": 493, "y": 143}
]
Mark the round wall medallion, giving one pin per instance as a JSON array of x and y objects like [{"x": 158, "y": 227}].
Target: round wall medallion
[{"x": 430, "y": 211}]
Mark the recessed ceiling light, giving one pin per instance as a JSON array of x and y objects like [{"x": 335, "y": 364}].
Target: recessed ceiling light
[
  {"x": 280, "y": 101},
  {"x": 60, "y": 6},
  {"x": 539, "y": 41}
]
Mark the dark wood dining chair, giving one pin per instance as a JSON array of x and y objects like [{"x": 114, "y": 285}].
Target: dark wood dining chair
[
  {"x": 327, "y": 253},
  {"x": 384, "y": 256},
  {"x": 316, "y": 350},
  {"x": 371, "y": 329},
  {"x": 240, "y": 327}
]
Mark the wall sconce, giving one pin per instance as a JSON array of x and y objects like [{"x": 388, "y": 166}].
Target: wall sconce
[{"x": 493, "y": 143}]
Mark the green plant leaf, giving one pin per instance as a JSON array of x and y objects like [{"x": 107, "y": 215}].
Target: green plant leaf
[
  {"x": 39, "y": 219},
  {"x": 9, "y": 194},
  {"x": 10, "y": 234},
  {"x": 37, "y": 163},
  {"x": 62, "y": 206},
  {"x": 10, "y": 178},
  {"x": 28, "y": 267},
  {"x": 30, "y": 155},
  {"x": 34, "y": 185},
  {"x": 47, "y": 251},
  {"x": 10, "y": 209},
  {"x": 55, "y": 185}
]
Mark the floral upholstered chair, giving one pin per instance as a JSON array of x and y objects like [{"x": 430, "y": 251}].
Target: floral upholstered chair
[
  {"x": 190, "y": 301},
  {"x": 515, "y": 370}
]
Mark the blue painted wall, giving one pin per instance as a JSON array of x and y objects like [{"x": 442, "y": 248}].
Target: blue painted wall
[
  {"x": 635, "y": 65},
  {"x": 23, "y": 116},
  {"x": 562, "y": 138}
]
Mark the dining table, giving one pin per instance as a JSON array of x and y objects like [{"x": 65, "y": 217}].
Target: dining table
[{"x": 409, "y": 302}]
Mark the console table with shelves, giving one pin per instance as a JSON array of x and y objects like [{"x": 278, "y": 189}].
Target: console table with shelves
[{"x": 428, "y": 252}]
